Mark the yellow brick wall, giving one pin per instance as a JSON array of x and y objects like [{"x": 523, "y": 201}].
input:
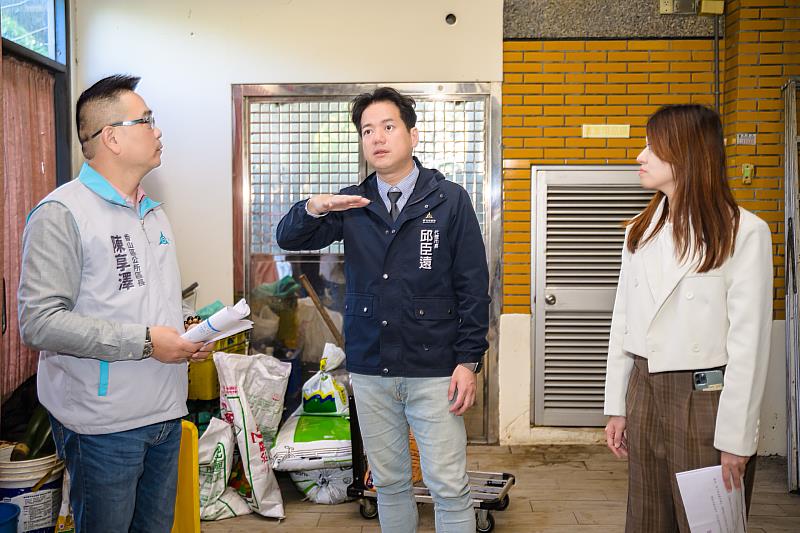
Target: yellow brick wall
[
  {"x": 551, "y": 88},
  {"x": 761, "y": 52}
]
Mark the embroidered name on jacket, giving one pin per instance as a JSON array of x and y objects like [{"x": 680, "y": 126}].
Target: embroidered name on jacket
[
  {"x": 128, "y": 272},
  {"x": 428, "y": 242}
]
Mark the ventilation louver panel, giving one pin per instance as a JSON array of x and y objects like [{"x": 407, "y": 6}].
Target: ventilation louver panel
[
  {"x": 584, "y": 233},
  {"x": 578, "y": 259}
]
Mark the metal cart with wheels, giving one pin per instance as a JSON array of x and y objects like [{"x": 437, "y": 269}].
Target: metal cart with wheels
[{"x": 489, "y": 489}]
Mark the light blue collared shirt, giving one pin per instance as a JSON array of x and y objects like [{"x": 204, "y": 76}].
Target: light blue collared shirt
[{"x": 405, "y": 186}]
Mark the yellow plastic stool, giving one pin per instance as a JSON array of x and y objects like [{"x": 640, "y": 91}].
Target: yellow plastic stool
[{"x": 187, "y": 499}]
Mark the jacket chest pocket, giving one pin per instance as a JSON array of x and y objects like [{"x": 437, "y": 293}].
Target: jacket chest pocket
[
  {"x": 358, "y": 305},
  {"x": 430, "y": 308},
  {"x": 703, "y": 289}
]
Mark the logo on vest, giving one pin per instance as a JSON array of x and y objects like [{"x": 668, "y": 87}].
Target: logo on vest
[
  {"x": 128, "y": 273},
  {"x": 163, "y": 239},
  {"x": 429, "y": 219}
]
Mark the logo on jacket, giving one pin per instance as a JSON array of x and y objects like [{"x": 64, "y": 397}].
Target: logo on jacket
[
  {"x": 163, "y": 239},
  {"x": 128, "y": 272},
  {"x": 429, "y": 219},
  {"x": 428, "y": 242}
]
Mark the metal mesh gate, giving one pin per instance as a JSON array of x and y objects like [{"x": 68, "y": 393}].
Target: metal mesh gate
[
  {"x": 296, "y": 149},
  {"x": 309, "y": 146}
]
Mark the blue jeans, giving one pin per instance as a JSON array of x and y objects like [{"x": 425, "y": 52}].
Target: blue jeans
[
  {"x": 123, "y": 481},
  {"x": 386, "y": 409}
]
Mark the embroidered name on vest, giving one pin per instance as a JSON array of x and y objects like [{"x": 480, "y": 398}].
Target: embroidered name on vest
[{"x": 128, "y": 273}]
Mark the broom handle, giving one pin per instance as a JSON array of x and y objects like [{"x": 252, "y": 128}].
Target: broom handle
[{"x": 322, "y": 311}]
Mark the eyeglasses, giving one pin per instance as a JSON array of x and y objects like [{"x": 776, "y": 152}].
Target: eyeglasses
[{"x": 150, "y": 120}]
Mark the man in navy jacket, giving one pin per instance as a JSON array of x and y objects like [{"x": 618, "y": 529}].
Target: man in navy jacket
[{"x": 416, "y": 310}]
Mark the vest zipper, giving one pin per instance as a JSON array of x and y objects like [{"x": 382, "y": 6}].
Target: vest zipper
[{"x": 141, "y": 221}]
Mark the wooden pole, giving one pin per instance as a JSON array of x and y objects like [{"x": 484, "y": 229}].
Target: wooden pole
[{"x": 322, "y": 310}]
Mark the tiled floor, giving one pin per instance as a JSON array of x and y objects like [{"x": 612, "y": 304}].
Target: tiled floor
[{"x": 559, "y": 489}]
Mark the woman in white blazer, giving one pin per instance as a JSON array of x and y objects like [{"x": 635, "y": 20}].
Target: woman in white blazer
[{"x": 689, "y": 344}]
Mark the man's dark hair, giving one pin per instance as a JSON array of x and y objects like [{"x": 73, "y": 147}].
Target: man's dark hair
[
  {"x": 384, "y": 94},
  {"x": 104, "y": 91}
]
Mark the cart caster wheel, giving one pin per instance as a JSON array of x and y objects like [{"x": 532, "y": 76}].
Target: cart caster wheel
[
  {"x": 368, "y": 508},
  {"x": 504, "y": 503},
  {"x": 484, "y": 522}
]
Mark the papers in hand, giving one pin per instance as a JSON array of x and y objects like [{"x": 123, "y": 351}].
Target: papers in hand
[
  {"x": 224, "y": 323},
  {"x": 710, "y": 508}
]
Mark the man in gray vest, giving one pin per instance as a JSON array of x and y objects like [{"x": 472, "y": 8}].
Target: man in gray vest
[{"x": 100, "y": 296}]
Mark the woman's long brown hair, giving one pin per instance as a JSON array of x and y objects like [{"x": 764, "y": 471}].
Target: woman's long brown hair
[{"x": 704, "y": 214}]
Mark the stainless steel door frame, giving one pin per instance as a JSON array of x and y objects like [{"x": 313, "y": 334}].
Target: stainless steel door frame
[
  {"x": 791, "y": 248},
  {"x": 491, "y": 198}
]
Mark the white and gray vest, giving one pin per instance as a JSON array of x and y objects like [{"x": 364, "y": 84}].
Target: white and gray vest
[{"x": 129, "y": 275}]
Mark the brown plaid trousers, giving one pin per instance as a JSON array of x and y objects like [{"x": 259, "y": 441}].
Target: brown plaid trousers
[{"x": 670, "y": 428}]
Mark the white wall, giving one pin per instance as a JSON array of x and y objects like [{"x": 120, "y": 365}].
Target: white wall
[
  {"x": 773, "y": 408},
  {"x": 189, "y": 53},
  {"x": 515, "y": 393}
]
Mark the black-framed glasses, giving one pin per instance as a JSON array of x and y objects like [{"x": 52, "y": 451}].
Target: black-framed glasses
[{"x": 150, "y": 120}]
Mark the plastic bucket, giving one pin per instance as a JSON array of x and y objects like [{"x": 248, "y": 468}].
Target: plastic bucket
[
  {"x": 42, "y": 465},
  {"x": 5, "y": 450},
  {"x": 38, "y": 510},
  {"x": 9, "y": 514}
]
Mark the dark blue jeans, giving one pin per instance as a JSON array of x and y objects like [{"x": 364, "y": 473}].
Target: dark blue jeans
[{"x": 122, "y": 481}]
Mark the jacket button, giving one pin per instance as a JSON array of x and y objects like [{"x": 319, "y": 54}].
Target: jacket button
[
  {"x": 635, "y": 282},
  {"x": 366, "y": 309},
  {"x": 385, "y": 370},
  {"x": 386, "y": 276},
  {"x": 695, "y": 347},
  {"x": 386, "y": 232},
  {"x": 394, "y": 231},
  {"x": 384, "y": 323},
  {"x": 689, "y": 295},
  {"x": 421, "y": 312},
  {"x": 426, "y": 206},
  {"x": 441, "y": 195}
]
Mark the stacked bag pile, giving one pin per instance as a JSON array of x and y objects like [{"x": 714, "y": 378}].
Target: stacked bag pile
[
  {"x": 314, "y": 443},
  {"x": 252, "y": 389}
]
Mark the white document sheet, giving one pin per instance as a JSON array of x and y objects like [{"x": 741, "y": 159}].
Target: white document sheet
[
  {"x": 709, "y": 507},
  {"x": 224, "y": 323}
]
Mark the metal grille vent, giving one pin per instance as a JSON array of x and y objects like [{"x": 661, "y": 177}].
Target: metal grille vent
[
  {"x": 580, "y": 212},
  {"x": 575, "y": 349},
  {"x": 584, "y": 233}
]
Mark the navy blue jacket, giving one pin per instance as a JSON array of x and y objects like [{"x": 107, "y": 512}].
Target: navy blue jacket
[{"x": 417, "y": 299}]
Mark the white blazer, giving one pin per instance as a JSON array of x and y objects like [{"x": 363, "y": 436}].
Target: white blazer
[{"x": 699, "y": 321}]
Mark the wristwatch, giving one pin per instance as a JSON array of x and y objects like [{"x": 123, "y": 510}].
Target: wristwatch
[
  {"x": 148, "y": 344},
  {"x": 474, "y": 367}
]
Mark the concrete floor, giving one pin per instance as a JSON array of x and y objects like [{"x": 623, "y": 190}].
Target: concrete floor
[{"x": 559, "y": 489}]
